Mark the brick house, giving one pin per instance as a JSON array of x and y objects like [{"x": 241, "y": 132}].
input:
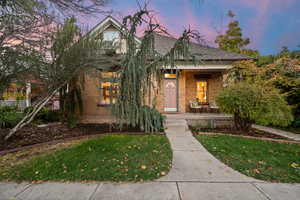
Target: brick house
[{"x": 178, "y": 91}]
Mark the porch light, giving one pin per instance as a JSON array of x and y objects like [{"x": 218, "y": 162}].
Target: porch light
[{"x": 170, "y": 75}]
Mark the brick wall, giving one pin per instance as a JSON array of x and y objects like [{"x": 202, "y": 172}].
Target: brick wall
[
  {"x": 92, "y": 112},
  {"x": 187, "y": 89}
]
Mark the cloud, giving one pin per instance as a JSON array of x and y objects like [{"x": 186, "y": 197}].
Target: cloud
[
  {"x": 263, "y": 11},
  {"x": 263, "y": 5},
  {"x": 203, "y": 25},
  {"x": 176, "y": 23},
  {"x": 291, "y": 39}
]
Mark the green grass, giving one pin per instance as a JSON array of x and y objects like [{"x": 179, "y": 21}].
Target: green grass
[
  {"x": 108, "y": 158},
  {"x": 271, "y": 161}
]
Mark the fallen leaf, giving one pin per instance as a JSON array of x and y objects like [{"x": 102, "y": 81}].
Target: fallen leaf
[
  {"x": 294, "y": 165},
  {"x": 261, "y": 162},
  {"x": 143, "y": 167},
  {"x": 256, "y": 171}
]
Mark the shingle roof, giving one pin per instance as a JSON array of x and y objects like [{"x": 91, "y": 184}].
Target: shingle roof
[{"x": 164, "y": 43}]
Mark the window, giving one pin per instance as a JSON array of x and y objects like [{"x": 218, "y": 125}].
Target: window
[
  {"x": 14, "y": 92},
  {"x": 108, "y": 88},
  {"x": 202, "y": 91},
  {"x": 113, "y": 36}
]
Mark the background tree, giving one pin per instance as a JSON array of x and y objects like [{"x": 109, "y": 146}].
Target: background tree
[
  {"x": 25, "y": 27},
  {"x": 284, "y": 74},
  {"x": 21, "y": 40},
  {"x": 232, "y": 40},
  {"x": 71, "y": 54}
]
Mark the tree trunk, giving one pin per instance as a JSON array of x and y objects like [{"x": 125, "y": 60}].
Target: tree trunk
[
  {"x": 30, "y": 116},
  {"x": 242, "y": 124}
]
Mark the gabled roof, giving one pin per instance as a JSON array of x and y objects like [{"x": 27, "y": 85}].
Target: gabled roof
[
  {"x": 106, "y": 22},
  {"x": 164, "y": 43}
]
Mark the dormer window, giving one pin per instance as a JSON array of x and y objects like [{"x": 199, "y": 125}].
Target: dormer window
[
  {"x": 112, "y": 41},
  {"x": 113, "y": 36}
]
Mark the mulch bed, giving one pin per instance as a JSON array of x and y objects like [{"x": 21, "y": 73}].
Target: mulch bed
[
  {"x": 31, "y": 135},
  {"x": 253, "y": 133}
]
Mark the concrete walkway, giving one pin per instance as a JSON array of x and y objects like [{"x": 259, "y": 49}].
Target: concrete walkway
[
  {"x": 275, "y": 131},
  {"x": 195, "y": 175},
  {"x": 191, "y": 161}
]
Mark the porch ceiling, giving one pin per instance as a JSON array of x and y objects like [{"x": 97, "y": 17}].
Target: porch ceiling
[{"x": 203, "y": 67}]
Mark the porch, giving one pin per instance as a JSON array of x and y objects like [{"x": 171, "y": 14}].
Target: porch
[
  {"x": 191, "y": 91},
  {"x": 198, "y": 116},
  {"x": 212, "y": 120}
]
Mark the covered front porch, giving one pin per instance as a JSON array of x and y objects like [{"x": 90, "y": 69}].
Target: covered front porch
[
  {"x": 198, "y": 116},
  {"x": 191, "y": 90}
]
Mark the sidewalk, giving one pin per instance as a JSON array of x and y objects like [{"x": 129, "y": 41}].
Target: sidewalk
[
  {"x": 275, "y": 131},
  {"x": 195, "y": 175}
]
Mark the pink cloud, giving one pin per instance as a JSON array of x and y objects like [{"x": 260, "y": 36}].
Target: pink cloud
[
  {"x": 187, "y": 19},
  {"x": 263, "y": 8},
  {"x": 163, "y": 21},
  {"x": 204, "y": 25},
  {"x": 274, "y": 5}
]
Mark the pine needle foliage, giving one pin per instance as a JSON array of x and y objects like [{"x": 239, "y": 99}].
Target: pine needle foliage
[{"x": 141, "y": 72}]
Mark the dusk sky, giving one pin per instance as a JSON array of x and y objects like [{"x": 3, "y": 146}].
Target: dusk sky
[{"x": 270, "y": 24}]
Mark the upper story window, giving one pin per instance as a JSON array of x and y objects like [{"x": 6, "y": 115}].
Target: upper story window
[{"x": 113, "y": 36}]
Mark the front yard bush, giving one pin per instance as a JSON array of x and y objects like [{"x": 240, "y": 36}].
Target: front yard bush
[
  {"x": 9, "y": 116},
  {"x": 296, "y": 122},
  {"x": 250, "y": 103},
  {"x": 46, "y": 115}
]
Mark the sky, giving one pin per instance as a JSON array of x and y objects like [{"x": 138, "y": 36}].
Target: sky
[{"x": 270, "y": 24}]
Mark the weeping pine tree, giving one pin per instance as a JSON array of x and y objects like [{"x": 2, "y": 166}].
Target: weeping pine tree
[{"x": 140, "y": 75}]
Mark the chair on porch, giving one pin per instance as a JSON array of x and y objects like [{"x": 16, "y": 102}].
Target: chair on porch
[
  {"x": 194, "y": 106},
  {"x": 214, "y": 108},
  {"x": 197, "y": 107}
]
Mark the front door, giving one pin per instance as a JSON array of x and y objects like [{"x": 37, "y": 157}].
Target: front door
[{"x": 170, "y": 95}]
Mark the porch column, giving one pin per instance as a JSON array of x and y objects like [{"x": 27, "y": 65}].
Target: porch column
[
  {"x": 224, "y": 78},
  {"x": 28, "y": 92},
  {"x": 181, "y": 92}
]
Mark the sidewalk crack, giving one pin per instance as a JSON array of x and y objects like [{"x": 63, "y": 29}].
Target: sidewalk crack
[
  {"x": 261, "y": 191},
  {"x": 98, "y": 186},
  {"x": 25, "y": 188},
  {"x": 178, "y": 190}
]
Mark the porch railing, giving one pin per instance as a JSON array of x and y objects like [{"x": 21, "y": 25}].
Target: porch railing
[{"x": 21, "y": 104}]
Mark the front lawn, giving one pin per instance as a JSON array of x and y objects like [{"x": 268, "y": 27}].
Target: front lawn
[
  {"x": 270, "y": 161},
  {"x": 107, "y": 158}
]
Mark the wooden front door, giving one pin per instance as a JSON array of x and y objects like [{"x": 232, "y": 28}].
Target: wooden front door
[{"x": 170, "y": 89}]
